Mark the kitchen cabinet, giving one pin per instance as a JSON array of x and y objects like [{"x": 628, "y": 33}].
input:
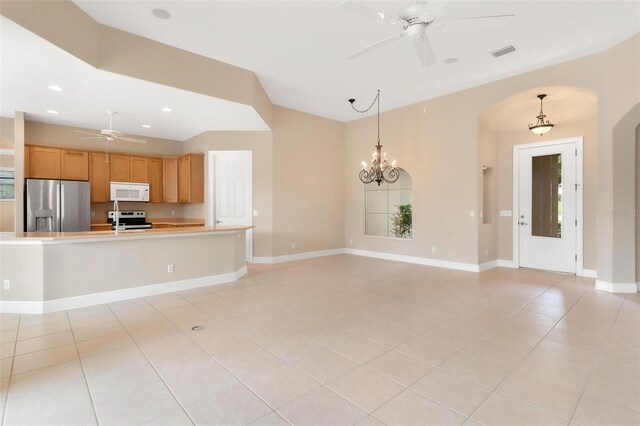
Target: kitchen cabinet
[
  {"x": 99, "y": 177},
  {"x": 139, "y": 169},
  {"x": 155, "y": 180},
  {"x": 191, "y": 178},
  {"x": 170, "y": 179},
  {"x": 119, "y": 168},
  {"x": 44, "y": 163},
  {"x": 74, "y": 165}
]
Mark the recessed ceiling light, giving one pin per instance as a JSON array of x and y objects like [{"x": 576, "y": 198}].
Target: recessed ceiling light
[
  {"x": 161, "y": 14},
  {"x": 53, "y": 111},
  {"x": 146, "y": 126},
  {"x": 451, "y": 60},
  {"x": 55, "y": 88},
  {"x": 166, "y": 109}
]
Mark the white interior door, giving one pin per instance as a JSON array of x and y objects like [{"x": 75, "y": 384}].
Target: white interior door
[
  {"x": 232, "y": 172},
  {"x": 546, "y": 217}
]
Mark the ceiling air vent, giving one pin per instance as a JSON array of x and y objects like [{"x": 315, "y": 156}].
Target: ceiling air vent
[{"x": 503, "y": 51}]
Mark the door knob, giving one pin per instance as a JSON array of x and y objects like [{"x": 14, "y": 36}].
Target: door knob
[
  {"x": 218, "y": 221},
  {"x": 523, "y": 223}
]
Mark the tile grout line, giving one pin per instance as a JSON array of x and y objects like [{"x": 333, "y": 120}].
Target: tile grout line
[
  {"x": 495, "y": 390},
  {"x": 151, "y": 363},
  {"x": 595, "y": 366},
  {"x": 84, "y": 373},
  {"x": 10, "y": 377}
]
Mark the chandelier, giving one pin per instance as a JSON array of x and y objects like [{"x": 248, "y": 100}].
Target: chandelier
[
  {"x": 542, "y": 126},
  {"x": 379, "y": 171}
]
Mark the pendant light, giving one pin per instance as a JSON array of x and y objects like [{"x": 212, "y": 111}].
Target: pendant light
[
  {"x": 542, "y": 126},
  {"x": 379, "y": 171}
]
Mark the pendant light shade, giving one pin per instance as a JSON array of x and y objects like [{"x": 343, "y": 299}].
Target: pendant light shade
[{"x": 542, "y": 126}]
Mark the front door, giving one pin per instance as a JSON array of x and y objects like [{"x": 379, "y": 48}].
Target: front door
[{"x": 546, "y": 214}]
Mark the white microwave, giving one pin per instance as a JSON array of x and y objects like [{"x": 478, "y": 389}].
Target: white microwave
[{"x": 127, "y": 191}]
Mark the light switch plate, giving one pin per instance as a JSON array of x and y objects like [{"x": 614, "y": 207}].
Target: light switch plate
[
  {"x": 472, "y": 213},
  {"x": 256, "y": 213}
]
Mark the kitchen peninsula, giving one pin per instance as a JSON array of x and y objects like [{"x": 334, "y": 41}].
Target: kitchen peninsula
[{"x": 48, "y": 272}]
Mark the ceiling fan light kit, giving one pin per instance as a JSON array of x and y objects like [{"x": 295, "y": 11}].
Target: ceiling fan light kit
[
  {"x": 380, "y": 170},
  {"x": 542, "y": 126}
]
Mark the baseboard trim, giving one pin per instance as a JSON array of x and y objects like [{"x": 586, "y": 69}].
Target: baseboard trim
[
  {"x": 589, "y": 273},
  {"x": 503, "y": 263},
  {"x": 488, "y": 265},
  {"x": 470, "y": 267},
  {"x": 298, "y": 256},
  {"x": 617, "y": 287},
  {"x": 19, "y": 307}
]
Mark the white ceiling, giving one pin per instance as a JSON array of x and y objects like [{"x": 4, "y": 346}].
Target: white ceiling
[
  {"x": 30, "y": 64},
  {"x": 297, "y": 48}
]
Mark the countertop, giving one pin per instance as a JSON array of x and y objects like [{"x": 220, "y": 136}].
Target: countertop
[{"x": 106, "y": 235}]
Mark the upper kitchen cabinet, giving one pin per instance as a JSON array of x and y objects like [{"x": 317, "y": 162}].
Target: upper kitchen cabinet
[
  {"x": 170, "y": 179},
  {"x": 191, "y": 178},
  {"x": 99, "y": 177},
  {"x": 139, "y": 169},
  {"x": 44, "y": 163},
  {"x": 155, "y": 180},
  {"x": 74, "y": 165},
  {"x": 119, "y": 168}
]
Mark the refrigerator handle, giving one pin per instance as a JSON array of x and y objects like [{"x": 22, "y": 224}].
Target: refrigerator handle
[{"x": 61, "y": 207}]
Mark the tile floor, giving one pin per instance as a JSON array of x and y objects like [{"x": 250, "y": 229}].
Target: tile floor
[{"x": 337, "y": 340}]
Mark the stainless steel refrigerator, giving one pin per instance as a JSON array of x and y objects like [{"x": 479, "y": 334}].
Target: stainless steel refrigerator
[{"x": 57, "y": 205}]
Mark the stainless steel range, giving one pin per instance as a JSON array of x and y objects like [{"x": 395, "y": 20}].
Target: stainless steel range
[{"x": 129, "y": 219}]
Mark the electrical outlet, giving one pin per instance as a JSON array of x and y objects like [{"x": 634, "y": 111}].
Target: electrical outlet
[
  {"x": 7, "y": 284},
  {"x": 350, "y": 240},
  {"x": 170, "y": 269},
  {"x": 256, "y": 213},
  {"x": 293, "y": 245},
  {"x": 472, "y": 213},
  {"x": 93, "y": 213},
  {"x": 433, "y": 249},
  {"x": 486, "y": 252},
  {"x": 173, "y": 212}
]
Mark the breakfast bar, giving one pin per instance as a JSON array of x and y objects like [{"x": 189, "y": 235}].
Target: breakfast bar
[{"x": 47, "y": 272}]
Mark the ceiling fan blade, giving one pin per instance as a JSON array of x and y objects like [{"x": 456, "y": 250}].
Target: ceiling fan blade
[
  {"x": 368, "y": 12},
  {"x": 92, "y": 137},
  {"x": 424, "y": 50},
  {"x": 134, "y": 140},
  {"x": 474, "y": 23},
  {"x": 376, "y": 45},
  {"x": 88, "y": 133}
]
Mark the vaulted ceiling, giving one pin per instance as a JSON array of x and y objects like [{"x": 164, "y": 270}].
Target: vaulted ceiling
[{"x": 298, "y": 48}]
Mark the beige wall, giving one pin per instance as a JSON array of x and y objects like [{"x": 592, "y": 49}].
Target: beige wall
[
  {"x": 439, "y": 142},
  {"x": 18, "y": 146},
  {"x": 261, "y": 145},
  {"x": 7, "y": 207},
  {"x": 55, "y": 271},
  {"x": 37, "y": 133},
  {"x": 128, "y": 54},
  {"x": 574, "y": 111},
  {"x": 295, "y": 205},
  {"x": 488, "y": 157},
  {"x": 638, "y": 204},
  {"x": 308, "y": 183}
]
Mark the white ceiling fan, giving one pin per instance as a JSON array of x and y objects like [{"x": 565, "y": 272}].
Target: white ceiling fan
[
  {"x": 109, "y": 134},
  {"x": 417, "y": 20}
]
